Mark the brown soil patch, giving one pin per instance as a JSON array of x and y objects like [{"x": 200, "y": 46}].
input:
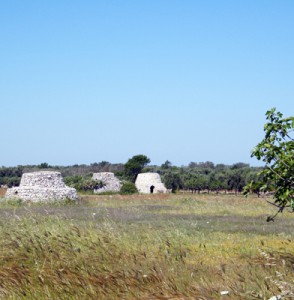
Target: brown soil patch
[{"x": 2, "y": 191}]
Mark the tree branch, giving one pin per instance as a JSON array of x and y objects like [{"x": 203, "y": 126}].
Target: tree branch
[
  {"x": 276, "y": 173},
  {"x": 284, "y": 206}
]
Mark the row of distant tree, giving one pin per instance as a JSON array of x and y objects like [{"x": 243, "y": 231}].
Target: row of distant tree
[
  {"x": 206, "y": 176},
  {"x": 276, "y": 150},
  {"x": 195, "y": 177}
]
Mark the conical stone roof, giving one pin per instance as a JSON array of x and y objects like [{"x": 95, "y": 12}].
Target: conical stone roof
[
  {"x": 42, "y": 186},
  {"x": 145, "y": 181},
  {"x": 112, "y": 184}
]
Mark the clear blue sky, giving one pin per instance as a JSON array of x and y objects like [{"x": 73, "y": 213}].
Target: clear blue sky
[{"x": 86, "y": 81}]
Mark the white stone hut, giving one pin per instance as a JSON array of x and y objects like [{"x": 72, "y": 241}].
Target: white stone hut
[
  {"x": 42, "y": 186},
  {"x": 112, "y": 184},
  {"x": 147, "y": 183}
]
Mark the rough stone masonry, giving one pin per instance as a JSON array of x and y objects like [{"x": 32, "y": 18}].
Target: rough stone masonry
[
  {"x": 42, "y": 186},
  {"x": 145, "y": 181},
  {"x": 112, "y": 184}
]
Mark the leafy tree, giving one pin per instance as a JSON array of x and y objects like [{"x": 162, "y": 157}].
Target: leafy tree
[
  {"x": 213, "y": 183},
  {"x": 190, "y": 183},
  {"x": 10, "y": 176},
  {"x": 192, "y": 164},
  {"x": 257, "y": 187},
  {"x": 135, "y": 165},
  {"x": 239, "y": 165},
  {"x": 206, "y": 165},
  {"x": 236, "y": 180},
  {"x": 203, "y": 165},
  {"x": 256, "y": 182},
  {"x": 196, "y": 183},
  {"x": 43, "y": 165},
  {"x": 173, "y": 181},
  {"x": 276, "y": 150},
  {"x": 222, "y": 178},
  {"x": 103, "y": 166},
  {"x": 166, "y": 165},
  {"x": 220, "y": 167}
]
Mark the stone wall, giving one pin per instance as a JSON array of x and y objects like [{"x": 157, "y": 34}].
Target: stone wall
[
  {"x": 145, "y": 180},
  {"x": 42, "y": 186},
  {"x": 112, "y": 184},
  {"x": 44, "y": 179}
]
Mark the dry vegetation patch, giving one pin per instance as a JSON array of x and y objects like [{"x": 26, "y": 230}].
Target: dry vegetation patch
[
  {"x": 2, "y": 191},
  {"x": 145, "y": 247}
]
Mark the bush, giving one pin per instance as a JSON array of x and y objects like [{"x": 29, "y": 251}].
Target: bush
[
  {"x": 11, "y": 181},
  {"x": 83, "y": 183},
  {"x": 128, "y": 188}
]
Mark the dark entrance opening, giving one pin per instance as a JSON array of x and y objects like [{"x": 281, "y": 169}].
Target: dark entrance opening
[{"x": 152, "y": 187}]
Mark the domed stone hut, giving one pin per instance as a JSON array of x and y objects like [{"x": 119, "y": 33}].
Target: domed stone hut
[
  {"x": 149, "y": 183},
  {"x": 112, "y": 184},
  {"x": 42, "y": 186}
]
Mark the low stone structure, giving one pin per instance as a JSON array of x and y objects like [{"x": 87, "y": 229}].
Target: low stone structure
[
  {"x": 112, "y": 184},
  {"x": 147, "y": 183},
  {"x": 42, "y": 186}
]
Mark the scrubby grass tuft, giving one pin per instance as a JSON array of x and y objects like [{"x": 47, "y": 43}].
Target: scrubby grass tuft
[
  {"x": 145, "y": 247},
  {"x": 11, "y": 202}
]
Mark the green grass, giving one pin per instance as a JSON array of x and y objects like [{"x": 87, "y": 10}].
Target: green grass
[{"x": 145, "y": 247}]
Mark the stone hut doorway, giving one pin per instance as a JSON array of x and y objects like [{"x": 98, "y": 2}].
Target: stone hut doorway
[
  {"x": 145, "y": 181},
  {"x": 152, "y": 187}
]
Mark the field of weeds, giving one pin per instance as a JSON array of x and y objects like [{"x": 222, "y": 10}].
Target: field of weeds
[{"x": 146, "y": 247}]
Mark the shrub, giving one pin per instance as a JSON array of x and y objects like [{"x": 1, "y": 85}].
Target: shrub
[
  {"x": 15, "y": 202},
  {"x": 128, "y": 188},
  {"x": 84, "y": 184}
]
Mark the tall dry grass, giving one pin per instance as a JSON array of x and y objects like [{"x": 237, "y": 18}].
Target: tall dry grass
[{"x": 145, "y": 247}]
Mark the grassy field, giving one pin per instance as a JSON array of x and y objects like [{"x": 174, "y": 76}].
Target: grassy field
[{"x": 146, "y": 247}]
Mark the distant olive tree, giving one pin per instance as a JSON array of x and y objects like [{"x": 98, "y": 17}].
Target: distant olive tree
[
  {"x": 196, "y": 183},
  {"x": 44, "y": 165},
  {"x": 236, "y": 180},
  {"x": 166, "y": 165},
  {"x": 173, "y": 181}
]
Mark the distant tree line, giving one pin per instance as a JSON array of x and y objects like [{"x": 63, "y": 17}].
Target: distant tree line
[
  {"x": 206, "y": 176},
  {"x": 196, "y": 177},
  {"x": 10, "y": 176},
  {"x": 276, "y": 150}
]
